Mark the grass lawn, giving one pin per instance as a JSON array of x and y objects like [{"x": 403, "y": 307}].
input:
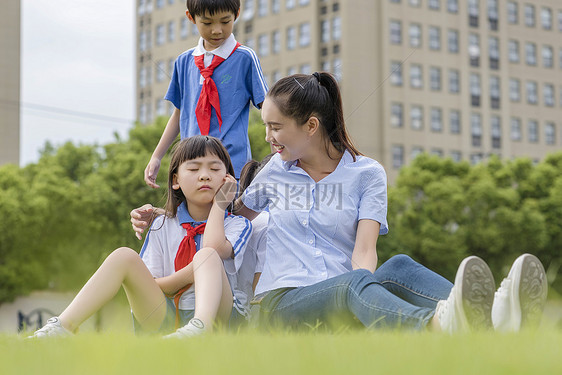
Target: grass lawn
[{"x": 531, "y": 352}]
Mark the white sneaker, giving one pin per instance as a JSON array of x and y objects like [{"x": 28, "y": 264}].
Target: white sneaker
[
  {"x": 470, "y": 302},
  {"x": 520, "y": 299},
  {"x": 194, "y": 327},
  {"x": 53, "y": 328}
]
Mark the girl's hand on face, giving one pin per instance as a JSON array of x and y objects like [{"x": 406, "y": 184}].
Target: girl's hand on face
[{"x": 227, "y": 192}]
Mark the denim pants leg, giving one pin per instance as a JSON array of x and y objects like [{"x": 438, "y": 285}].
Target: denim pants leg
[
  {"x": 355, "y": 293},
  {"x": 412, "y": 282}
]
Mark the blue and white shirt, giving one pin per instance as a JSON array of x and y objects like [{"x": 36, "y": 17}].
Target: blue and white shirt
[
  {"x": 312, "y": 225},
  {"x": 161, "y": 245},
  {"x": 239, "y": 80}
]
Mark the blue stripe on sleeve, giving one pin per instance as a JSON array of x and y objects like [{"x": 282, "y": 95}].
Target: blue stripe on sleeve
[{"x": 243, "y": 237}]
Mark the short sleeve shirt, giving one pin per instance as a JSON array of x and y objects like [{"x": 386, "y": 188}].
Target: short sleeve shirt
[
  {"x": 312, "y": 225},
  {"x": 239, "y": 80}
]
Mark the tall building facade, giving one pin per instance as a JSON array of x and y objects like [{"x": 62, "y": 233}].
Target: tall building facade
[
  {"x": 10, "y": 82},
  {"x": 456, "y": 78}
]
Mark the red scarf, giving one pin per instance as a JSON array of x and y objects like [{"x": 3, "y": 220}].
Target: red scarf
[
  {"x": 209, "y": 94},
  {"x": 184, "y": 256}
]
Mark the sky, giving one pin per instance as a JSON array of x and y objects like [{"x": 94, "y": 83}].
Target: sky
[{"x": 77, "y": 72}]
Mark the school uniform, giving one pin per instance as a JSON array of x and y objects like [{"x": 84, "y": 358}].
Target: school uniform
[
  {"x": 239, "y": 81},
  {"x": 162, "y": 242}
]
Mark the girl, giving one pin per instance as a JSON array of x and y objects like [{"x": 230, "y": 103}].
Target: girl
[{"x": 191, "y": 254}]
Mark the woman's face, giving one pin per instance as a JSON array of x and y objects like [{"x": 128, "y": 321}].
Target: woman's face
[{"x": 289, "y": 139}]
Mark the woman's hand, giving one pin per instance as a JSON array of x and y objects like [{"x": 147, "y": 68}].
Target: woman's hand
[
  {"x": 141, "y": 219},
  {"x": 227, "y": 192}
]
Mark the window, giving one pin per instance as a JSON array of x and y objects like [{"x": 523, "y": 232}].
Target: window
[
  {"x": 560, "y": 58},
  {"x": 305, "y": 69},
  {"x": 453, "y": 41},
  {"x": 514, "y": 90},
  {"x": 395, "y": 32},
  {"x": 416, "y": 80},
  {"x": 437, "y": 152},
  {"x": 546, "y": 18},
  {"x": 416, "y": 117},
  {"x": 547, "y": 56},
  {"x": 415, "y": 3},
  {"x": 529, "y": 15},
  {"x": 560, "y": 20},
  {"x": 513, "y": 50},
  {"x": 550, "y": 133},
  {"x": 531, "y": 53},
  {"x": 276, "y": 76},
  {"x": 434, "y": 4},
  {"x": 397, "y": 156},
  {"x": 250, "y": 42},
  {"x": 171, "y": 65},
  {"x": 473, "y": 13},
  {"x": 434, "y": 38},
  {"x": 396, "y": 73},
  {"x": 160, "y": 35},
  {"x": 184, "y": 28},
  {"x": 275, "y": 7},
  {"x": 336, "y": 28},
  {"x": 533, "y": 131},
  {"x": 495, "y": 92},
  {"x": 325, "y": 31},
  {"x": 476, "y": 158},
  {"x": 326, "y": 66},
  {"x": 303, "y": 3},
  {"x": 475, "y": 89},
  {"x": 262, "y": 8},
  {"x": 436, "y": 121},
  {"x": 512, "y": 13},
  {"x": 290, "y": 4},
  {"x": 142, "y": 41},
  {"x": 493, "y": 14},
  {"x": 304, "y": 31},
  {"x": 416, "y": 150},
  {"x": 532, "y": 92},
  {"x": 160, "y": 71},
  {"x": 515, "y": 129},
  {"x": 171, "y": 31},
  {"x": 248, "y": 9},
  {"x": 474, "y": 49},
  {"x": 548, "y": 94},
  {"x": 291, "y": 37},
  {"x": 496, "y": 132},
  {"x": 476, "y": 129},
  {"x": 276, "y": 42},
  {"x": 454, "y": 81},
  {"x": 494, "y": 52},
  {"x": 415, "y": 35},
  {"x": 435, "y": 78},
  {"x": 291, "y": 70},
  {"x": 453, "y": 6},
  {"x": 396, "y": 115},
  {"x": 455, "y": 121},
  {"x": 159, "y": 4},
  {"x": 160, "y": 107},
  {"x": 337, "y": 69},
  {"x": 456, "y": 156},
  {"x": 142, "y": 77},
  {"x": 263, "y": 45}
]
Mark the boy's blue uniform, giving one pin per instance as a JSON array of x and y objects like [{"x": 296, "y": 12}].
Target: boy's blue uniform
[{"x": 239, "y": 80}]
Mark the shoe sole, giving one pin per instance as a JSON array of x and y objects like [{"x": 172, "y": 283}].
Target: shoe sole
[
  {"x": 532, "y": 290},
  {"x": 477, "y": 293}
]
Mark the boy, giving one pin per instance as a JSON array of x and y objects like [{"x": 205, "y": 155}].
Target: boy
[{"x": 212, "y": 86}]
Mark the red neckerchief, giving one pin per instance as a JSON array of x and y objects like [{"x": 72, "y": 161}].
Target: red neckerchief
[{"x": 209, "y": 94}]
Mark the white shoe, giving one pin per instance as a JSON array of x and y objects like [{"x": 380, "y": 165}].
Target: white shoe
[
  {"x": 53, "y": 328},
  {"x": 194, "y": 327},
  {"x": 470, "y": 302},
  {"x": 520, "y": 299}
]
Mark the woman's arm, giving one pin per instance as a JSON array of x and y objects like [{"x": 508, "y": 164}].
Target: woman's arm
[
  {"x": 365, "y": 250},
  {"x": 174, "y": 282}
]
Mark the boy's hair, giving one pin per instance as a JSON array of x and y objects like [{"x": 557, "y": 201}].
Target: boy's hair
[
  {"x": 301, "y": 96},
  {"x": 200, "y": 7},
  {"x": 189, "y": 149}
]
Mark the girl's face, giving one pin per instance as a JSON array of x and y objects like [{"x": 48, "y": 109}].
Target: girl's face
[
  {"x": 199, "y": 179},
  {"x": 288, "y": 138}
]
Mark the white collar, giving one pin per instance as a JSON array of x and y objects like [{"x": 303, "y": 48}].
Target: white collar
[{"x": 224, "y": 50}]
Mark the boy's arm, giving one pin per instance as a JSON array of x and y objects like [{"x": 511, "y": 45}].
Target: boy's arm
[
  {"x": 214, "y": 236},
  {"x": 170, "y": 133}
]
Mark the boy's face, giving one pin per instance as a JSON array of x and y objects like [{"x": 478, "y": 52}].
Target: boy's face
[{"x": 214, "y": 29}]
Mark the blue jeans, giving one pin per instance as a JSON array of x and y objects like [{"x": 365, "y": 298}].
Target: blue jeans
[{"x": 400, "y": 294}]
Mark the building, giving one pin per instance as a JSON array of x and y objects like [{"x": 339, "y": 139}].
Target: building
[
  {"x": 460, "y": 79},
  {"x": 10, "y": 83}
]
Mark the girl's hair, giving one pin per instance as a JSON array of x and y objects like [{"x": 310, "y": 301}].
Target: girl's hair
[
  {"x": 301, "y": 96},
  {"x": 199, "y": 7},
  {"x": 248, "y": 172},
  {"x": 189, "y": 149}
]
